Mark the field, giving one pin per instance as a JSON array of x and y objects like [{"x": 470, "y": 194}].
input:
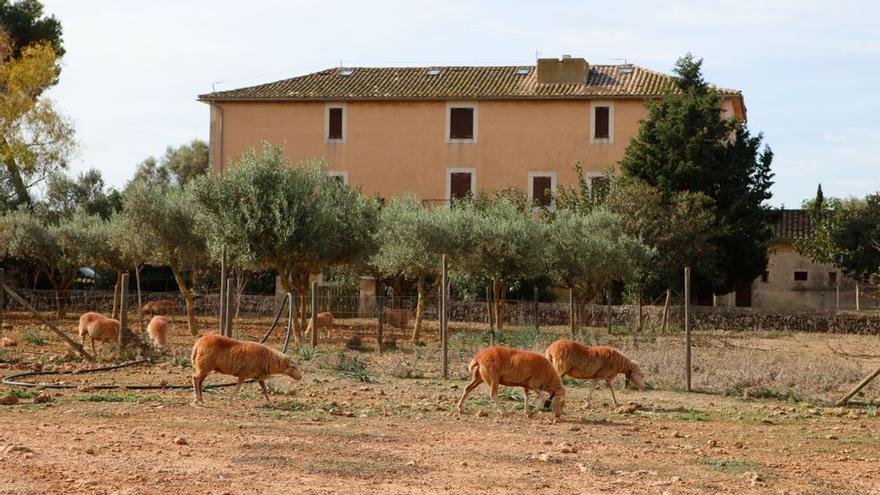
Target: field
[{"x": 363, "y": 422}]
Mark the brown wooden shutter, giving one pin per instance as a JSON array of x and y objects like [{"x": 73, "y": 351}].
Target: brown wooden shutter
[
  {"x": 461, "y": 123},
  {"x": 602, "y": 123},
  {"x": 335, "y": 128},
  {"x": 541, "y": 193},
  {"x": 459, "y": 185}
]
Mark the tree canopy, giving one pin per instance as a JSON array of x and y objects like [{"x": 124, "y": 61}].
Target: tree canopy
[
  {"x": 178, "y": 165},
  {"x": 686, "y": 144}
]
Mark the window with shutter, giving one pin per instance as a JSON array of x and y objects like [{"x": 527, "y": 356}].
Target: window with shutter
[
  {"x": 334, "y": 129},
  {"x": 459, "y": 185},
  {"x": 602, "y": 122},
  {"x": 461, "y": 123},
  {"x": 542, "y": 190}
]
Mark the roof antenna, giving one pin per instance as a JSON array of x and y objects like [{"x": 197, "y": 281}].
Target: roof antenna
[{"x": 537, "y": 54}]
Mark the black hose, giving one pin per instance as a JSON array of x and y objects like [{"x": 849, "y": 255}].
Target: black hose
[{"x": 11, "y": 379}]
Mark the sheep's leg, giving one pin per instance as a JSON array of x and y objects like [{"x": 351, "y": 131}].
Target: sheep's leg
[
  {"x": 265, "y": 392},
  {"x": 198, "y": 379},
  {"x": 237, "y": 388},
  {"x": 94, "y": 352},
  {"x": 526, "y": 402},
  {"x": 470, "y": 388},
  {"x": 608, "y": 382},
  {"x": 493, "y": 393}
]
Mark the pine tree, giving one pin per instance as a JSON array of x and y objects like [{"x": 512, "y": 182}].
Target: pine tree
[{"x": 686, "y": 144}]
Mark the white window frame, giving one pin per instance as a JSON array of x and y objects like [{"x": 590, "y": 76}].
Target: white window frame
[
  {"x": 461, "y": 104},
  {"x": 593, "y": 175},
  {"x": 454, "y": 170},
  {"x": 339, "y": 173},
  {"x": 610, "y": 138},
  {"x": 531, "y": 187},
  {"x": 327, "y": 108}
]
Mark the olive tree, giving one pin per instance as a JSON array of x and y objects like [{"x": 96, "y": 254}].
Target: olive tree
[
  {"x": 160, "y": 220},
  {"x": 411, "y": 238},
  {"x": 586, "y": 252},
  {"x": 294, "y": 219},
  {"x": 502, "y": 241},
  {"x": 57, "y": 251}
]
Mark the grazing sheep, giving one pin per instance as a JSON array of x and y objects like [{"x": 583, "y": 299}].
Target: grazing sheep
[
  {"x": 158, "y": 329},
  {"x": 325, "y": 321},
  {"x": 594, "y": 363},
  {"x": 160, "y": 307},
  {"x": 98, "y": 327},
  {"x": 243, "y": 360},
  {"x": 397, "y": 317},
  {"x": 498, "y": 365}
]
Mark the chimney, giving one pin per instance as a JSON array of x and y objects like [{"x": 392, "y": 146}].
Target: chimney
[{"x": 563, "y": 70}]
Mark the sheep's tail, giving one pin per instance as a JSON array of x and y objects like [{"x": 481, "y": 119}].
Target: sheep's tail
[
  {"x": 474, "y": 366},
  {"x": 195, "y": 353}
]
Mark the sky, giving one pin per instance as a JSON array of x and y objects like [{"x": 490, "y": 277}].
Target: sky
[{"x": 809, "y": 71}]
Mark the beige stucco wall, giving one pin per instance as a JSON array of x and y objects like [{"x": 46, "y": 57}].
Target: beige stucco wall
[{"x": 397, "y": 147}]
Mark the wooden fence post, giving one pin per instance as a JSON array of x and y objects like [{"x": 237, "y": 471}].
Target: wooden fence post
[
  {"x": 858, "y": 387},
  {"x": 489, "y": 315},
  {"x": 2, "y": 298},
  {"x": 380, "y": 316},
  {"x": 858, "y": 294},
  {"x": 444, "y": 315},
  {"x": 535, "y": 306},
  {"x": 137, "y": 277},
  {"x": 666, "y": 311},
  {"x": 314, "y": 314},
  {"x": 227, "y": 317},
  {"x": 222, "y": 315},
  {"x": 687, "y": 325},
  {"x": 571, "y": 315},
  {"x": 123, "y": 312}
]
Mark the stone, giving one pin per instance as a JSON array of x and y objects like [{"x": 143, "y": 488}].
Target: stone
[
  {"x": 547, "y": 457},
  {"x": 90, "y": 451},
  {"x": 582, "y": 468},
  {"x": 8, "y": 342},
  {"x": 627, "y": 408},
  {"x": 9, "y": 400},
  {"x": 43, "y": 398},
  {"x": 712, "y": 443},
  {"x": 180, "y": 441},
  {"x": 411, "y": 463},
  {"x": 482, "y": 414}
]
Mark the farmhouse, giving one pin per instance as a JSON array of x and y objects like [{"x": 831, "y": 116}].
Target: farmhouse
[
  {"x": 793, "y": 281},
  {"x": 444, "y": 132}
]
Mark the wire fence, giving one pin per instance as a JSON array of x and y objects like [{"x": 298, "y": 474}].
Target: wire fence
[{"x": 401, "y": 311}]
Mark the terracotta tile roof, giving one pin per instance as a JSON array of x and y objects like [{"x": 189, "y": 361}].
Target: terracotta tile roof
[
  {"x": 793, "y": 225},
  {"x": 452, "y": 82}
]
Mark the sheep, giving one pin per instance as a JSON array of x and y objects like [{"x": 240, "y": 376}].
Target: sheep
[
  {"x": 325, "y": 321},
  {"x": 499, "y": 365},
  {"x": 98, "y": 327},
  {"x": 594, "y": 363},
  {"x": 160, "y": 307},
  {"x": 242, "y": 360},
  {"x": 158, "y": 329},
  {"x": 397, "y": 317}
]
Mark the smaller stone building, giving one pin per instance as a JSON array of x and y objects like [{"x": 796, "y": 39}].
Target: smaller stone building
[{"x": 793, "y": 281}]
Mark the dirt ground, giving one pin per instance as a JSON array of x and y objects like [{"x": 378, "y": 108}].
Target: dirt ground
[{"x": 332, "y": 432}]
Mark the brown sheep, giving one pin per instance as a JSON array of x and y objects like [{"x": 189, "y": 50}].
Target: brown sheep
[
  {"x": 594, "y": 363},
  {"x": 160, "y": 307},
  {"x": 498, "y": 365},
  {"x": 243, "y": 360},
  {"x": 98, "y": 327},
  {"x": 397, "y": 317},
  {"x": 325, "y": 321},
  {"x": 158, "y": 329}
]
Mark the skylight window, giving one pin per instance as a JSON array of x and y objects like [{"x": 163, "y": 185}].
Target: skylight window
[
  {"x": 625, "y": 69},
  {"x": 346, "y": 72},
  {"x": 522, "y": 71},
  {"x": 433, "y": 72}
]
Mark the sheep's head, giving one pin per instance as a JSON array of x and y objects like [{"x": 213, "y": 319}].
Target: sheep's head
[
  {"x": 292, "y": 371},
  {"x": 557, "y": 402},
  {"x": 635, "y": 378}
]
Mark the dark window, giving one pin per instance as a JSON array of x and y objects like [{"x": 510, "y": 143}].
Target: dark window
[
  {"x": 335, "y": 128},
  {"x": 599, "y": 187},
  {"x": 800, "y": 276},
  {"x": 541, "y": 190},
  {"x": 602, "y": 123},
  {"x": 459, "y": 185},
  {"x": 339, "y": 178},
  {"x": 765, "y": 277},
  {"x": 832, "y": 278},
  {"x": 461, "y": 123}
]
